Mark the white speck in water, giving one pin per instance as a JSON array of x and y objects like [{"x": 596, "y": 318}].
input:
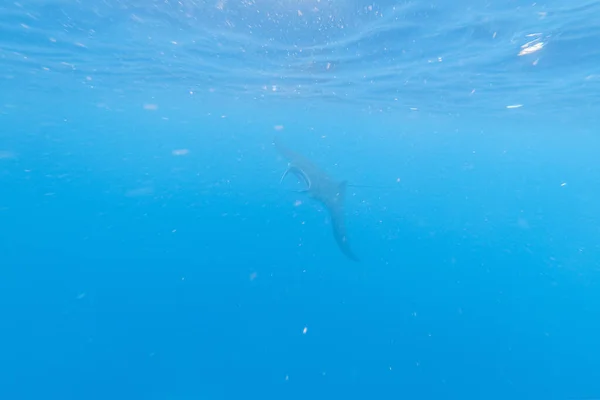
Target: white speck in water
[{"x": 180, "y": 152}]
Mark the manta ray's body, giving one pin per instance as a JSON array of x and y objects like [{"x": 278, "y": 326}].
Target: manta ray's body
[{"x": 321, "y": 187}]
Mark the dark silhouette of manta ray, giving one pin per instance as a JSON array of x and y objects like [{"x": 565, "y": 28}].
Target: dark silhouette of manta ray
[{"x": 322, "y": 188}]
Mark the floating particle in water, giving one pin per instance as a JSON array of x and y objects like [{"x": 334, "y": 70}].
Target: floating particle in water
[
  {"x": 180, "y": 152},
  {"x": 150, "y": 107},
  {"x": 138, "y": 192}
]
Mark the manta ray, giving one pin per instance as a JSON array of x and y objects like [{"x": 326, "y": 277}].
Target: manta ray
[{"x": 322, "y": 188}]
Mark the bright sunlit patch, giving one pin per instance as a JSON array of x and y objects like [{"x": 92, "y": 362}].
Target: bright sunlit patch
[
  {"x": 529, "y": 49},
  {"x": 533, "y": 45}
]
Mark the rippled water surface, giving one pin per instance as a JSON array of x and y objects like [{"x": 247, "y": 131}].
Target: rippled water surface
[{"x": 433, "y": 56}]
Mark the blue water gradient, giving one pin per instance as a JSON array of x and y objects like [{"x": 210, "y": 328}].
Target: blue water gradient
[{"x": 148, "y": 251}]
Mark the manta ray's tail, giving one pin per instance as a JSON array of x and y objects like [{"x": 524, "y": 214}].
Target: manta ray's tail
[{"x": 339, "y": 226}]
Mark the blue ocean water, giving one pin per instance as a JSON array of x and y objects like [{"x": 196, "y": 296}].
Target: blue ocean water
[{"x": 149, "y": 251}]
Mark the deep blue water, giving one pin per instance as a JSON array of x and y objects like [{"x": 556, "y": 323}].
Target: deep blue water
[{"x": 149, "y": 251}]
